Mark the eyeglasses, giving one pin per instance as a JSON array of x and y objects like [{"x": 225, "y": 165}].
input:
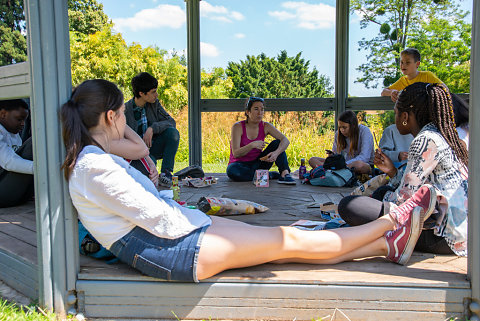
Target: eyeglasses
[{"x": 254, "y": 99}]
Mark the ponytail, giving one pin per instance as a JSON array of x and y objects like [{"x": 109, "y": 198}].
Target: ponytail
[{"x": 82, "y": 112}]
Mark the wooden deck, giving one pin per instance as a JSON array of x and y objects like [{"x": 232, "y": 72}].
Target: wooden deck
[{"x": 430, "y": 288}]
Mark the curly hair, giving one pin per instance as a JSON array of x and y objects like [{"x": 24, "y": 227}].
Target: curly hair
[{"x": 432, "y": 103}]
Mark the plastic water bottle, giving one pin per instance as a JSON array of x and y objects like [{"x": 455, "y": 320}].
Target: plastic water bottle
[
  {"x": 175, "y": 189},
  {"x": 303, "y": 169}
]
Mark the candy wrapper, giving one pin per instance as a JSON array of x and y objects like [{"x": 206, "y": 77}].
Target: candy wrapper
[
  {"x": 199, "y": 182},
  {"x": 228, "y": 206},
  {"x": 260, "y": 179}
]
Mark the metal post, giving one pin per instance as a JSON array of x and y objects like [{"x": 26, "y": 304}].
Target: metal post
[
  {"x": 474, "y": 168},
  {"x": 49, "y": 59},
  {"x": 194, "y": 82},
  {"x": 341, "y": 57}
]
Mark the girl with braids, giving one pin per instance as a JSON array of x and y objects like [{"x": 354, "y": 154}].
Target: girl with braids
[
  {"x": 436, "y": 156},
  {"x": 123, "y": 210}
]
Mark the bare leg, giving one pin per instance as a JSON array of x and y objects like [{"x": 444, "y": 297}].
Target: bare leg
[
  {"x": 360, "y": 167},
  {"x": 229, "y": 244},
  {"x": 376, "y": 248},
  {"x": 316, "y": 161}
]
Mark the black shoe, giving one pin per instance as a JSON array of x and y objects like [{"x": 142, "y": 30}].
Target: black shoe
[{"x": 193, "y": 171}]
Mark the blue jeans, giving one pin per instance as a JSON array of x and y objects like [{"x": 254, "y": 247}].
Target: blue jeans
[
  {"x": 244, "y": 171},
  {"x": 166, "y": 259},
  {"x": 164, "y": 146},
  {"x": 17, "y": 188}
]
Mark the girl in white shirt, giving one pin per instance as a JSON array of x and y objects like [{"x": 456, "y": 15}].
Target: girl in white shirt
[
  {"x": 122, "y": 209},
  {"x": 16, "y": 165}
]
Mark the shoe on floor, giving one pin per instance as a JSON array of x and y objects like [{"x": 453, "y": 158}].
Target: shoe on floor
[
  {"x": 165, "y": 179},
  {"x": 287, "y": 179},
  {"x": 425, "y": 197},
  {"x": 402, "y": 241}
]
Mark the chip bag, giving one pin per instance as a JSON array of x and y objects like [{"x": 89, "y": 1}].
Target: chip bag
[{"x": 228, "y": 206}]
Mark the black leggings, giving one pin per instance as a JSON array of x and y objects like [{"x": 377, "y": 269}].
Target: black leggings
[
  {"x": 358, "y": 210},
  {"x": 17, "y": 188}
]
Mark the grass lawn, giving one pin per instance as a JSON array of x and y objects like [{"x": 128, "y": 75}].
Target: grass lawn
[{"x": 11, "y": 311}]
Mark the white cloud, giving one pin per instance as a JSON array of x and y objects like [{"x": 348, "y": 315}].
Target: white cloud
[
  {"x": 165, "y": 15},
  {"x": 219, "y": 13},
  {"x": 306, "y": 15},
  {"x": 239, "y": 35},
  {"x": 208, "y": 50}
]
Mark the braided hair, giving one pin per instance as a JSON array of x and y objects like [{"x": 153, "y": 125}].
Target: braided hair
[{"x": 433, "y": 103}]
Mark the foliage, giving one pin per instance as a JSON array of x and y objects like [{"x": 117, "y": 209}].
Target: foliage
[
  {"x": 445, "y": 45},
  {"x": 278, "y": 77},
  {"x": 13, "y": 45},
  {"x": 10, "y": 311},
  {"x": 86, "y": 16},
  {"x": 413, "y": 23}
]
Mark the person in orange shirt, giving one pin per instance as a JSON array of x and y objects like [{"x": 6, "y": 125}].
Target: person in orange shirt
[{"x": 409, "y": 62}]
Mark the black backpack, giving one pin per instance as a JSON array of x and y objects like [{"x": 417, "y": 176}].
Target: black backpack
[{"x": 335, "y": 162}]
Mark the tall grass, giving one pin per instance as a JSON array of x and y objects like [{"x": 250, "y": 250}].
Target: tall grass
[{"x": 310, "y": 133}]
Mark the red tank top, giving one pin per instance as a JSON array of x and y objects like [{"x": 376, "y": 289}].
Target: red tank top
[{"x": 254, "y": 152}]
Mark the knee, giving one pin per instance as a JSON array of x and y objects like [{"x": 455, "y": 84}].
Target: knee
[
  {"x": 346, "y": 211},
  {"x": 172, "y": 134},
  {"x": 275, "y": 143}
]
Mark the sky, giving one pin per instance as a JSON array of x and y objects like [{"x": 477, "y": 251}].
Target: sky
[{"x": 232, "y": 29}]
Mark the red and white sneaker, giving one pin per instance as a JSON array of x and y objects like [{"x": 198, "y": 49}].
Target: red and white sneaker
[
  {"x": 425, "y": 197},
  {"x": 402, "y": 241}
]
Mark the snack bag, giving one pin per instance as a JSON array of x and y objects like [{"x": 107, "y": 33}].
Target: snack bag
[
  {"x": 367, "y": 188},
  {"x": 260, "y": 179},
  {"x": 228, "y": 206},
  {"x": 199, "y": 182}
]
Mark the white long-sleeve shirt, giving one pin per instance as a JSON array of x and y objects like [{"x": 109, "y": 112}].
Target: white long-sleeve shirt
[
  {"x": 112, "y": 197},
  {"x": 9, "y": 159}
]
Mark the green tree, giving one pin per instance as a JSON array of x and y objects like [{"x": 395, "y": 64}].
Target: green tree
[
  {"x": 86, "y": 16},
  {"x": 445, "y": 46},
  {"x": 280, "y": 77},
  {"x": 399, "y": 23},
  {"x": 13, "y": 45}
]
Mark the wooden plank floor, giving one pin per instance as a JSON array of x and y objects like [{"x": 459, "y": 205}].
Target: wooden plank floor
[{"x": 433, "y": 285}]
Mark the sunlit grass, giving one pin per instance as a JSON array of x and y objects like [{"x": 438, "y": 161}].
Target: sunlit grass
[
  {"x": 11, "y": 311},
  {"x": 309, "y": 133}
]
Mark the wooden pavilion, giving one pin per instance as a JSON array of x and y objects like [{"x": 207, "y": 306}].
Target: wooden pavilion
[{"x": 38, "y": 242}]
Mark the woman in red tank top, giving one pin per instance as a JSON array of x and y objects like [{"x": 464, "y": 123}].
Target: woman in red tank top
[{"x": 249, "y": 151}]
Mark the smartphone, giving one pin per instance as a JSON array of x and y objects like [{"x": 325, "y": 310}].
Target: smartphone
[{"x": 328, "y": 151}]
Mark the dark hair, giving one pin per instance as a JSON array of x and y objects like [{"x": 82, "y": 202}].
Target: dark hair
[
  {"x": 249, "y": 103},
  {"x": 82, "y": 112},
  {"x": 412, "y": 52},
  {"x": 13, "y": 104},
  {"x": 350, "y": 118},
  {"x": 433, "y": 103},
  {"x": 460, "y": 110},
  {"x": 143, "y": 82}
]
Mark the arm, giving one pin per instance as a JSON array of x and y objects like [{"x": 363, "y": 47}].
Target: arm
[
  {"x": 11, "y": 161},
  {"x": 129, "y": 147},
  {"x": 113, "y": 192},
  {"x": 284, "y": 142},
  {"x": 235, "y": 142},
  {"x": 393, "y": 93},
  {"x": 421, "y": 163},
  {"x": 159, "y": 118},
  {"x": 365, "y": 146}
]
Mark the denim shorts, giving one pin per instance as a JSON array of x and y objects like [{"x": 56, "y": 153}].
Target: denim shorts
[{"x": 166, "y": 259}]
